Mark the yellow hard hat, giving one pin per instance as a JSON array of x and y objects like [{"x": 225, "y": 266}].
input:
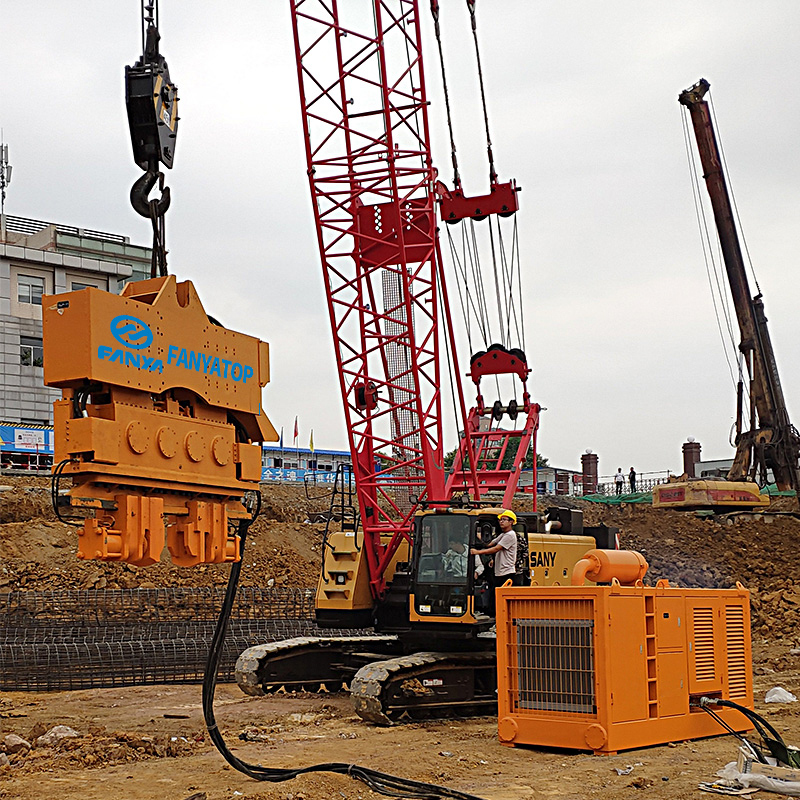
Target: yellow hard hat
[{"x": 510, "y": 514}]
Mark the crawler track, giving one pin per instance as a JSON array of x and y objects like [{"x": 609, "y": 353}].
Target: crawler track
[{"x": 386, "y": 685}]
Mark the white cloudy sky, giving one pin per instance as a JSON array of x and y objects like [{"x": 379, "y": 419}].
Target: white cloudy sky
[{"x": 621, "y": 332}]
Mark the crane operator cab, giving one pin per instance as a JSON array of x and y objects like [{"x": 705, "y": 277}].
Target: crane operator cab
[{"x": 448, "y": 585}]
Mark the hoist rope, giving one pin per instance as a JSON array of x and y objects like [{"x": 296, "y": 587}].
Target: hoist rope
[
  {"x": 718, "y": 296},
  {"x": 510, "y": 271},
  {"x": 438, "y": 32},
  {"x": 492, "y": 173},
  {"x": 496, "y": 279},
  {"x": 461, "y": 277}
]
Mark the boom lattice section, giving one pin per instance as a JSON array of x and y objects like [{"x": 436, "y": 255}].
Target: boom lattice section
[{"x": 366, "y": 130}]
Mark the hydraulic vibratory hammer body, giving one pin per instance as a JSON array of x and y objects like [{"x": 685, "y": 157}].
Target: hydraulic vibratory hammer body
[{"x": 159, "y": 414}]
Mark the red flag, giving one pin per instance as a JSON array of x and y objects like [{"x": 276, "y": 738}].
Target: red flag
[{"x": 295, "y": 427}]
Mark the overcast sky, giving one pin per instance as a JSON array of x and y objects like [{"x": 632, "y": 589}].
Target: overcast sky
[{"x": 621, "y": 331}]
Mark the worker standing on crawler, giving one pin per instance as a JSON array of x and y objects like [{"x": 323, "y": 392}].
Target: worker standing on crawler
[{"x": 504, "y": 550}]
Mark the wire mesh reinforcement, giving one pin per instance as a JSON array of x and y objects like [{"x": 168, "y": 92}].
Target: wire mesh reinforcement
[{"x": 125, "y": 637}]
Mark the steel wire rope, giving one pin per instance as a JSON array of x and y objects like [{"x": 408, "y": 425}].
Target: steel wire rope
[
  {"x": 708, "y": 252},
  {"x": 496, "y": 280},
  {"x": 492, "y": 173},
  {"x": 461, "y": 275},
  {"x": 508, "y": 271},
  {"x": 478, "y": 304},
  {"x": 380, "y": 782},
  {"x": 730, "y": 190},
  {"x": 708, "y": 257},
  {"x": 721, "y": 293},
  {"x": 438, "y": 34},
  {"x": 477, "y": 277},
  {"x": 515, "y": 258}
]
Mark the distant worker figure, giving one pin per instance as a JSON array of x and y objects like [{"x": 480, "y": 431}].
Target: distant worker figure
[
  {"x": 619, "y": 480},
  {"x": 632, "y": 479},
  {"x": 504, "y": 549}
]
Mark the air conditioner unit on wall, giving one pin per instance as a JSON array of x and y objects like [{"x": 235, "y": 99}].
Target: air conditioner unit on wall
[{"x": 609, "y": 668}]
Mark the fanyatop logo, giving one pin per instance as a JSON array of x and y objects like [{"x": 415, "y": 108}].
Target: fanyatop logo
[
  {"x": 131, "y": 332},
  {"x": 135, "y": 335}
]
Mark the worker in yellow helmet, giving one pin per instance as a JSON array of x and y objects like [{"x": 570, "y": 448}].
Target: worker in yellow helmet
[{"x": 504, "y": 550}]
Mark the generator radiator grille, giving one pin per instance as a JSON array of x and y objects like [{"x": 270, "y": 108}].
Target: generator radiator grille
[{"x": 555, "y": 665}]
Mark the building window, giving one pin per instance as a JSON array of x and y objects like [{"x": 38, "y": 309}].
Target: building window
[
  {"x": 77, "y": 286},
  {"x": 277, "y": 462},
  {"x": 325, "y": 468},
  {"x": 30, "y": 289},
  {"x": 31, "y": 353}
]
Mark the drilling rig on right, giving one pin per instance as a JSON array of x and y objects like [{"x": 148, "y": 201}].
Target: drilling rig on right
[{"x": 765, "y": 438}]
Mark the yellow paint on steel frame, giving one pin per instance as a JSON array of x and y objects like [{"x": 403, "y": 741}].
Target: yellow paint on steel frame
[{"x": 160, "y": 408}]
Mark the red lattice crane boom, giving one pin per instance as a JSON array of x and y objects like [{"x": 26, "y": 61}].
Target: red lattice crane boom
[{"x": 365, "y": 120}]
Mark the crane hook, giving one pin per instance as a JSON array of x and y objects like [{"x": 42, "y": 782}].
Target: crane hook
[{"x": 140, "y": 191}]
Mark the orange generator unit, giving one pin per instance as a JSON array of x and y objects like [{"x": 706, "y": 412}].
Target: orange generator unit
[{"x": 609, "y": 668}]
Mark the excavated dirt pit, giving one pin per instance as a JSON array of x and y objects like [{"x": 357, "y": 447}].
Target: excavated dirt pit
[{"x": 150, "y": 741}]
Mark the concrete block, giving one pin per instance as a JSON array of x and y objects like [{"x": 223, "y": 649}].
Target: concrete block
[
  {"x": 53, "y": 258},
  {"x": 32, "y": 255},
  {"x": 110, "y": 268}
]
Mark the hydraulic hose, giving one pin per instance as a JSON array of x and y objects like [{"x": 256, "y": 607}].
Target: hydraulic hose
[{"x": 379, "y": 782}]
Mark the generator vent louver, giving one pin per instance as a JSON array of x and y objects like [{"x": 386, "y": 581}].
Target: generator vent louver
[
  {"x": 737, "y": 651},
  {"x": 555, "y": 662},
  {"x": 704, "y": 644}
]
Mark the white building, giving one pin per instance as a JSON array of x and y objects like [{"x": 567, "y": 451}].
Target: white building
[{"x": 38, "y": 258}]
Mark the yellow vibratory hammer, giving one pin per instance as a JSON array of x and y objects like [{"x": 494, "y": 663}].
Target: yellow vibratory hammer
[{"x": 159, "y": 413}]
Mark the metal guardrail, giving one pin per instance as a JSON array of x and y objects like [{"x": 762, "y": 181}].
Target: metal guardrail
[
  {"x": 645, "y": 482},
  {"x": 27, "y": 227}
]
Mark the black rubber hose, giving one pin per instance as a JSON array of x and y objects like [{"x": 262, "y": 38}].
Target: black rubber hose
[{"x": 380, "y": 782}]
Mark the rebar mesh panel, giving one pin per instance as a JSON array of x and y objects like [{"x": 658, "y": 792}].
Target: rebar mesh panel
[
  {"x": 93, "y": 606},
  {"x": 555, "y": 665},
  {"x": 127, "y": 637}
]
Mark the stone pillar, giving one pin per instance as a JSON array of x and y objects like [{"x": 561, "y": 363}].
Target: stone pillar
[
  {"x": 589, "y": 468},
  {"x": 691, "y": 455}
]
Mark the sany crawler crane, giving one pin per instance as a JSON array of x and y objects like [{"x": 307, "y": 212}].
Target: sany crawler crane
[
  {"x": 374, "y": 196},
  {"x": 765, "y": 438}
]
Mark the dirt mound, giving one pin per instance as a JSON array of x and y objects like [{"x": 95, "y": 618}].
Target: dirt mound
[
  {"x": 37, "y": 552},
  {"x": 717, "y": 552},
  {"x": 283, "y": 548}
]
